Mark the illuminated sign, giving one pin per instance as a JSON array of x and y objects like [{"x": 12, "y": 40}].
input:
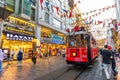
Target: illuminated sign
[
  {"x": 56, "y": 41},
  {"x": 13, "y": 29},
  {"x": 18, "y": 37}
]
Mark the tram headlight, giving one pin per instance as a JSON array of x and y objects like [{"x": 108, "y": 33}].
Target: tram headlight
[{"x": 74, "y": 54}]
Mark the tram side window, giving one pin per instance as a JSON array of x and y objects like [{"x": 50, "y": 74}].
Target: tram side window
[
  {"x": 82, "y": 40},
  {"x": 93, "y": 43}
]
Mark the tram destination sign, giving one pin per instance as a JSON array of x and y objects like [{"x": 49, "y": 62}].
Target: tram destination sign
[{"x": 18, "y": 37}]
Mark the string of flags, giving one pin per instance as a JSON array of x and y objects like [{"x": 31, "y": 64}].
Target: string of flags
[{"x": 69, "y": 13}]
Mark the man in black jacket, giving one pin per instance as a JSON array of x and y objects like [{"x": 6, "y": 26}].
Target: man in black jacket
[{"x": 106, "y": 57}]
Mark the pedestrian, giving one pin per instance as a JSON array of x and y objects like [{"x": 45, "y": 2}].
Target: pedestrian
[
  {"x": 118, "y": 55},
  {"x": 113, "y": 61},
  {"x": 12, "y": 54},
  {"x": 8, "y": 57},
  {"x": 2, "y": 54},
  {"x": 106, "y": 57},
  {"x": 34, "y": 57},
  {"x": 20, "y": 57},
  {"x": 63, "y": 51}
]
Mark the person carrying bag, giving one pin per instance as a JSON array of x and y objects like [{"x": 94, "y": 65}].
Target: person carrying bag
[{"x": 34, "y": 57}]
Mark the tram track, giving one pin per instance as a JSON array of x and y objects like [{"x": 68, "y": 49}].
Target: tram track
[
  {"x": 61, "y": 74},
  {"x": 64, "y": 74}
]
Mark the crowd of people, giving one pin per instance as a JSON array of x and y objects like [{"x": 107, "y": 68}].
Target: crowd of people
[
  {"x": 109, "y": 57},
  {"x": 9, "y": 56}
]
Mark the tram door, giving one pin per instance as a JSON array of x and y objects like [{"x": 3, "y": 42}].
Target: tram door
[{"x": 88, "y": 47}]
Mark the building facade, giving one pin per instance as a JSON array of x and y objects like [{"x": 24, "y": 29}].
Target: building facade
[
  {"x": 52, "y": 25},
  {"x": 35, "y": 24},
  {"x": 19, "y": 28}
]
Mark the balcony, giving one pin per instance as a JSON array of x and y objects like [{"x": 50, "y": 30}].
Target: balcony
[{"x": 6, "y": 9}]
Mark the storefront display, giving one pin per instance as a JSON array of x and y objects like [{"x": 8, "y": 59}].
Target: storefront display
[
  {"x": 51, "y": 42},
  {"x": 18, "y": 35}
]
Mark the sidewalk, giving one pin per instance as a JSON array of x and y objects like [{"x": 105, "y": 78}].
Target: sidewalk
[{"x": 29, "y": 71}]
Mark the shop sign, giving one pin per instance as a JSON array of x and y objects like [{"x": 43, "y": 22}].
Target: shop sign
[
  {"x": 56, "y": 37},
  {"x": 18, "y": 37},
  {"x": 56, "y": 41},
  {"x": 46, "y": 40},
  {"x": 13, "y": 29}
]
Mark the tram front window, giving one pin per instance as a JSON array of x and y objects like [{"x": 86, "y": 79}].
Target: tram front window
[{"x": 76, "y": 40}]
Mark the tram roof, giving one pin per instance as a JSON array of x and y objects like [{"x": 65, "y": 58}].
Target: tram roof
[{"x": 80, "y": 32}]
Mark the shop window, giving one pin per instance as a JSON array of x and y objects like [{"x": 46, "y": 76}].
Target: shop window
[
  {"x": 32, "y": 14},
  {"x": 47, "y": 17}
]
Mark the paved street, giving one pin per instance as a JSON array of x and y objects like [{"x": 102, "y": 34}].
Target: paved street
[
  {"x": 47, "y": 68},
  {"x": 29, "y": 71}
]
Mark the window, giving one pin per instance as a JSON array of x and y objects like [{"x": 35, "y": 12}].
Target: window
[
  {"x": 33, "y": 2},
  {"x": 76, "y": 40},
  {"x": 64, "y": 27},
  {"x": 32, "y": 14},
  {"x": 26, "y": 7},
  {"x": 57, "y": 23},
  {"x": 47, "y": 17},
  {"x": 20, "y": 7},
  {"x": 10, "y": 5}
]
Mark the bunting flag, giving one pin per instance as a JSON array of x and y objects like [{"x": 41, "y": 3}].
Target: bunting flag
[
  {"x": 47, "y": 5},
  {"x": 41, "y": 1},
  {"x": 57, "y": 10},
  {"x": 70, "y": 14},
  {"x": 101, "y": 9}
]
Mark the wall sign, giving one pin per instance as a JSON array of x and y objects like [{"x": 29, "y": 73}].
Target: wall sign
[
  {"x": 18, "y": 37},
  {"x": 56, "y": 41},
  {"x": 13, "y": 29}
]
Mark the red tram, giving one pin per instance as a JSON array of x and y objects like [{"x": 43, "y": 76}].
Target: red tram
[{"x": 81, "y": 48}]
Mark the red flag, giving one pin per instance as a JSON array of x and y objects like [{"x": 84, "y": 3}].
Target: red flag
[
  {"x": 41, "y": 1},
  {"x": 99, "y": 22},
  {"x": 70, "y": 15},
  {"x": 118, "y": 24},
  {"x": 57, "y": 9}
]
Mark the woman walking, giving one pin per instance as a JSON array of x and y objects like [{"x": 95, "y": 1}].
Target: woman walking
[{"x": 20, "y": 57}]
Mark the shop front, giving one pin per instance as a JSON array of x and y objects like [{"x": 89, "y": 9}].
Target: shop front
[
  {"x": 51, "y": 42},
  {"x": 16, "y": 37}
]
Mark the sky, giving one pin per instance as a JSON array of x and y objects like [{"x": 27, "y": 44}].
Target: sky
[{"x": 90, "y": 5}]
